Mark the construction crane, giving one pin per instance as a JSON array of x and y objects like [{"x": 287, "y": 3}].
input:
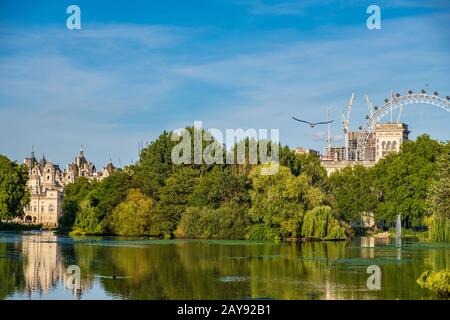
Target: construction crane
[
  {"x": 346, "y": 119},
  {"x": 369, "y": 105},
  {"x": 329, "y": 142},
  {"x": 346, "y": 126}
]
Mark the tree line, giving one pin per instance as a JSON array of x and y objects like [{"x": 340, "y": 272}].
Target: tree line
[{"x": 155, "y": 197}]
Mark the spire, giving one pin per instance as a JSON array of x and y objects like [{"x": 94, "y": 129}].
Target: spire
[
  {"x": 43, "y": 161},
  {"x": 33, "y": 158},
  {"x": 81, "y": 151}
]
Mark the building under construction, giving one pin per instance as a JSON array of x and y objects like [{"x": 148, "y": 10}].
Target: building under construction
[{"x": 385, "y": 138}]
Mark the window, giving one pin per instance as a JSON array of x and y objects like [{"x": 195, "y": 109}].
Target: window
[{"x": 50, "y": 208}]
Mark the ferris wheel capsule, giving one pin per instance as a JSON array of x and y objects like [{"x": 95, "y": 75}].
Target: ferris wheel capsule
[
  {"x": 397, "y": 95},
  {"x": 423, "y": 91},
  {"x": 410, "y": 91},
  {"x": 436, "y": 93},
  {"x": 448, "y": 97}
]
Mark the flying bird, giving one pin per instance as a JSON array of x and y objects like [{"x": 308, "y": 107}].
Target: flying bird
[{"x": 312, "y": 124}]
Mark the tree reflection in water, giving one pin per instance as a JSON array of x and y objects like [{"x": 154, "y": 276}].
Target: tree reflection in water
[{"x": 160, "y": 269}]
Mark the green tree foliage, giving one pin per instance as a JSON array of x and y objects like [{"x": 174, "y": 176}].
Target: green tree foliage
[
  {"x": 174, "y": 198},
  {"x": 230, "y": 221},
  {"x": 439, "y": 202},
  {"x": 319, "y": 223},
  {"x": 14, "y": 193},
  {"x": 154, "y": 165},
  {"x": 402, "y": 181},
  {"x": 97, "y": 206},
  {"x": 437, "y": 281},
  {"x": 134, "y": 216},
  {"x": 219, "y": 186},
  {"x": 279, "y": 202},
  {"x": 353, "y": 192},
  {"x": 74, "y": 193},
  {"x": 308, "y": 164},
  {"x": 439, "y": 229},
  {"x": 88, "y": 219},
  {"x": 290, "y": 159}
]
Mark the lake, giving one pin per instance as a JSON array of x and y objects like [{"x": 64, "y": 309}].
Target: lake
[{"x": 34, "y": 265}]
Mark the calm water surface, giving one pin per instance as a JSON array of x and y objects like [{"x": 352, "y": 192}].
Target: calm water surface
[{"x": 33, "y": 265}]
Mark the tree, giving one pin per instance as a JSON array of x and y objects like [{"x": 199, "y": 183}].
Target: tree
[
  {"x": 230, "y": 221},
  {"x": 14, "y": 192},
  {"x": 438, "y": 202},
  {"x": 353, "y": 192},
  {"x": 402, "y": 181},
  {"x": 319, "y": 223},
  {"x": 154, "y": 165},
  {"x": 134, "y": 216},
  {"x": 174, "y": 198},
  {"x": 74, "y": 193},
  {"x": 279, "y": 202},
  {"x": 219, "y": 186},
  {"x": 308, "y": 164},
  {"x": 88, "y": 219},
  {"x": 96, "y": 207}
]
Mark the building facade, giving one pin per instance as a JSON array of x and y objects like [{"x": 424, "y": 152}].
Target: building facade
[
  {"x": 386, "y": 138},
  {"x": 301, "y": 150},
  {"x": 46, "y": 192},
  {"x": 389, "y": 137},
  {"x": 47, "y": 181}
]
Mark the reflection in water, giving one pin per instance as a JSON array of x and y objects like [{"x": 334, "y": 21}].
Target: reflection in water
[
  {"x": 33, "y": 265},
  {"x": 367, "y": 247},
  {"x": 42, "y": 269}
]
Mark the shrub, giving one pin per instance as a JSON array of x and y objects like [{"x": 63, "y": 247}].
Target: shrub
[
  {"x": 230, "y": 221},
  {"x": 438, "y": 281},
  {"x": 133, "y": 217},
  {"x": 264, "y": 232}
]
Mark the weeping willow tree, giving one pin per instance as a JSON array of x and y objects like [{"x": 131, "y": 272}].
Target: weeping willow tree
[
  {"x": 439, "y": 202},
  {"x": 319, "y": 223}
]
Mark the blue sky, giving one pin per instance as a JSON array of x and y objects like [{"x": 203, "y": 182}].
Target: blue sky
[{"x": 139, "y": 67}]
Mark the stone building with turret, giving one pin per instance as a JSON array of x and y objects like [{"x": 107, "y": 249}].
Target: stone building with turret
[
  {"x": 46, "y": 192},
  {"x": 47, "y": 181}
]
